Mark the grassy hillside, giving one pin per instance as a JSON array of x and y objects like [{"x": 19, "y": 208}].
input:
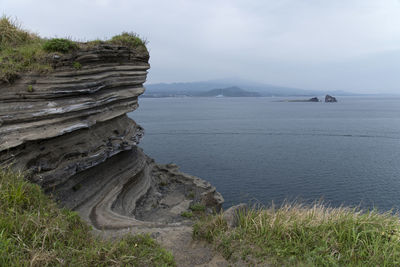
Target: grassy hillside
[
  {"x": 35, "y": 232},
  {"x": 22, "y": 51},
  {"x": 296, "y": 235}
]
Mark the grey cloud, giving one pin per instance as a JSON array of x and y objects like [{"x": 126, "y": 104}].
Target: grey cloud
[{"x": 348, "y": 45}]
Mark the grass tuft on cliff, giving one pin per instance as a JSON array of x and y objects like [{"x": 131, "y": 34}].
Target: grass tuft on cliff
[
  {"x": 59, "y": 45},
  {"x": 299, "y": 235},
  {"x": 128, "y": 39},
  {"x": 11, "y": 33},
  {"x": 35, "y": 232},
  {"x": 22, "y": 51}
]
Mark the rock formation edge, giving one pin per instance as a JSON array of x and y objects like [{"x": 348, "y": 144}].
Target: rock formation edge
[{"x": 69, "y": 132}]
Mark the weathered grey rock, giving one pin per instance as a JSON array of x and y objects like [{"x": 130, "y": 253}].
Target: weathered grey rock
[
  {"x": 212, "y": 199},
  {"x": 68, "y": 131},
  {"x": 231, "y": 215},
  {"x": 72, "y": 119},
  {"x": 330, "y": 99},
  {"x": 51, "y": 162},
  {"x": 314, "y": 99},
  {"x": 65, "y": 100}
]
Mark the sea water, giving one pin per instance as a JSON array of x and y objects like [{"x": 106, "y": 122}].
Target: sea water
[{"x": 267, "y": 150}]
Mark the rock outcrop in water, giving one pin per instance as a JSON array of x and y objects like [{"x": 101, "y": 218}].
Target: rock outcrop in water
[
  {"x": 68, "y": 130},
  {"x": 330, "y": 99},
  {"x": 313, "y": 99}
]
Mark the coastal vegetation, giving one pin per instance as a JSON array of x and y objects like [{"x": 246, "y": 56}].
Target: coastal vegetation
[
  {"x": 35, "y": 232},
  {"x": 197, "y": 207},
  {"x": 59, "y": 45},
  {"x": 301, "y": 235},
  {"x": 22, "y": 51},
  {"x": 187, "y": 214},
  {"x": 128, "y": 39}
]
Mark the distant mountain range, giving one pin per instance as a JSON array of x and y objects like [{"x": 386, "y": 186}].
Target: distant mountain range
[
  {"x": 229, "y": 88},
  {"x": 233, "y": 91}
]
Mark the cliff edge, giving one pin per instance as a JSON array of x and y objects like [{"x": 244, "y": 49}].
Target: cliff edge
[
  {"x": 63, "y": 123},
  {"x": 68, "y": 130}
]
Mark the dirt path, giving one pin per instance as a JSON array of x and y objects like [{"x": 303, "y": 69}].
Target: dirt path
[
  {"x": 178, "y": 240},
  {"x": 189, "y": 252},
  {"x": 132, "y": 194}
]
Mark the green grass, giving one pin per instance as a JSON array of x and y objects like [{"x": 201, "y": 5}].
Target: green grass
[
  {"x": 197, "y": 207},
  {"x": 187, "y": 214},
  {"x": 196, "y": 210},
  {"x": 35, "y": 232},
  {"x": 77, "y": 65},
  {"x": 298, "y": 235},
  {"x": 59, "y": 45},
  {"x": 22, "y": 51},
  {"x": 29, "y": 89},
  {"x": 11, "y": 33},
  {"x": 128, "y": 39}
]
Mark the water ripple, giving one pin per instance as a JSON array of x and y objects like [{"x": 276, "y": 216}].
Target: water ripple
[{"x": 277, "y": 134}]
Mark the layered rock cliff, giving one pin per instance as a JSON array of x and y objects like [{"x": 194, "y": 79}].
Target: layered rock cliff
[{"x": 69, "y": 132}]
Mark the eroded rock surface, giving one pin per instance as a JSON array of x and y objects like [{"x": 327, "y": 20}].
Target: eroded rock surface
[
  {"x": 231, "y": 215},
  {"x": 69, "y": 132}
]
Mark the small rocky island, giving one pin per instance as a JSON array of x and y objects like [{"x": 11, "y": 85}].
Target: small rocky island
[
  {"x": 313, "y": 99},
  {"x": 330, "y": 99}
]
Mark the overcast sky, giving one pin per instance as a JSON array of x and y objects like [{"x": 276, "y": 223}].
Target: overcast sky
[{"x": 351, "y": 45}]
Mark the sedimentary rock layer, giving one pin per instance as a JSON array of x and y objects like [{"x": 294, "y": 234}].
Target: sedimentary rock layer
[
  {"x": 131, "y": 190},
  {"x": 106, "y": 85},
  {"x": 56, "y": 124},
  {"x": 68, "y": 130},
  {"x": 51, "y": 162}
]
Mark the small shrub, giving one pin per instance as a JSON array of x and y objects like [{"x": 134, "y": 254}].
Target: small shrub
[
  {"x": 197, "y": 207},
  {"x": 94, "y": 43},
  {"x": 59, "y": 45},
  {"x": 187, "y": 214},
  {"x": 30, "y": 88},
  {"x": 128, "y": 39},
  {"x": 77, "y": 65}
]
